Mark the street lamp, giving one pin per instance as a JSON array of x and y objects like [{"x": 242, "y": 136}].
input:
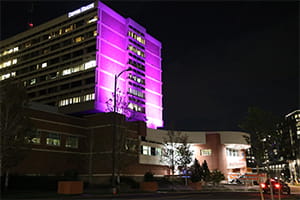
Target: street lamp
[{"x": 115, "y": 131}]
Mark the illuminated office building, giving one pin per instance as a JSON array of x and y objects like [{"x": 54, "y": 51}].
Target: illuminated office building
[{"x": 71, "y": 62}]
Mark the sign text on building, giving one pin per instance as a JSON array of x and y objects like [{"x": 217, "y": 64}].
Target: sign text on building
[{"x": 80, "y": 10}]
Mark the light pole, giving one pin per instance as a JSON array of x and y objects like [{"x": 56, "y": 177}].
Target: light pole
[{"x": 114, "y": 191}]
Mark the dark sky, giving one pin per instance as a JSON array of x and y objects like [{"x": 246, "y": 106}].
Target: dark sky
[{"x": 219, "y": 58}]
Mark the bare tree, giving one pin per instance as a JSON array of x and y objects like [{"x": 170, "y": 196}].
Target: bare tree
[
  {"x": 176, "y": 151},
  {"x": 121, "y": 105},
  {"x": 15, "y": 127}
]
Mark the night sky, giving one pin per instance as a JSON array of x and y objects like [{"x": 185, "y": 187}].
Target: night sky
[{"x": 219, "y": 58}]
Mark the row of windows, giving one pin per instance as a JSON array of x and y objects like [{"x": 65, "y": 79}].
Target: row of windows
[
  {"x": 136, "y": 37},
  {"x": 9, "y": 51},
  {"x": 136, "y": 64},
  {"x": 8, "y": 63},
  {"x": 85, "y": 66},
  {"x": 64, "y": 60},
  {"x": 78, "y": 99},
  {"x": 56, "y": 46},
  {"x": 232, "y": 152},
  {"x": 205, "y": 152},
  {"x": 136, "y": 93},
  {"x": 136, "y": 79},
  {"x": 136, "y": 107},
  {"x": 150, "y": 151},
  {"x": 7, "y": 75},
  {"x": 54, "y": 75},
  {"x": 137, "y": 58},
  {"x": 54, "y": 139},
  {"x": 136, "y": 44},
  {"x": 139, "y": 32},
  {"x": 51, "y": 35},
  {"x": 136, "y": 85},
  {"x": 138, "y": 72},
  {"x": 136, "y": 51},
  {"x": 136, "y": 100}
]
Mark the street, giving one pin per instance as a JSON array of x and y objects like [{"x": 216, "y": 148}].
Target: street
[
  {"x": 166, "y": 196},
  {"x": 192, "y": 196}
]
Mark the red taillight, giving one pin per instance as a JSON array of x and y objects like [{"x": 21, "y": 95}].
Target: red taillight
[
  {"x": 262, "y": 185},
  {"x": 277, "y": 186}
]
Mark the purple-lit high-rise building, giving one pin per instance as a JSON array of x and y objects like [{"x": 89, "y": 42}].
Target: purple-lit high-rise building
[{"x": 71, "y": 62}]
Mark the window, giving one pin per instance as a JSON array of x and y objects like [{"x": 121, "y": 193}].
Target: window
[
  {"x": 72, "y": 142},
  {"x": 8, "y": 75},
  {"x": 136, "y": 107},
  {"x": 79, "y": 39},
  {"x": 44, "y": 65},
  {"x": 145, "y": 150},
  {"x": 205, "y": 152},
  {"x": 136, "y": 51},
  {"x": 136, "y": 37},
  {"x": 232, "y": 152},
  {"x": 153, "y": 153},
  {"x": 32, "y": 81},
  {"x": 35, "y": 138},
  {"x": 150, "y": 151},
  {"x": 158, "y": 151},
  {"x": 53, "y": 139},
  {"x": 91, "y": 20}
]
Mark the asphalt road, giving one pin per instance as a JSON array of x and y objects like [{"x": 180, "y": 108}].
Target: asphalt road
[{"x": 169, "y": 196}]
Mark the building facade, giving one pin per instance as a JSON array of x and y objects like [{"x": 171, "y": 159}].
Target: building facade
[
  {"x": 293, "y": 130},
  {"x": 84, "y": 144},
  {"x": 222, "y": 150},
  {"x": 71, "y": 62}
]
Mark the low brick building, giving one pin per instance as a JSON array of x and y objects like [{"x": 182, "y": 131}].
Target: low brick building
[{"x": 84, "y": 144}]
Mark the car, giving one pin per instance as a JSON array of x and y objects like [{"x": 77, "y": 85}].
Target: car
[{"x": 277, "y": 185}]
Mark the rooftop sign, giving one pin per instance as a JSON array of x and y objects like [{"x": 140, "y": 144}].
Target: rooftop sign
[{"x": 81, "y": 10}]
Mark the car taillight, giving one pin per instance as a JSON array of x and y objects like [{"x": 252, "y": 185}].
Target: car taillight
[
  {"x": 277, "y": 186},
  {"x": 262, "y": 185}
]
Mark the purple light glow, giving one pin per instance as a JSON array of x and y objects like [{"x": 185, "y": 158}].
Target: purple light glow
[{"x": 112, "y": 58}]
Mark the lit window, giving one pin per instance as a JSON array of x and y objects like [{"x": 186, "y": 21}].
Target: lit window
[
  {"x": 5, "y": 76},
  {"x": 79, "y": 39},
  {"x": 53, "y": 139},
  {"x": 35, "y": 138},
  {"x": 44, "y": 65},
  {"x": 76, "y": 99},
  {"x": 90, "y": 64},
  {"x": 136, "y": 50},
  {"x": 92, "y": 20},
  {"x": 7, "y": 64},
  {"x": 72, "y": 142},
  {"x": 205, "y": 152},
  {"x": 66, "y": 72},
  {"x": 145, "y": 150},
  {"x": 14, "y": 61},
  {"x": 136, "y": 37},
  {"x": 95, "y": 33},
  {"x": 89, "y": 97},
  {"x": 158, "y": 151},
  {"x": 32, "y": 81},
  {"x": 28, "y": 44}
]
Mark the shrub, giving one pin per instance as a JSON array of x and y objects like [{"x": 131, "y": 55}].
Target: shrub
[
  {"x": 216, "y": 176},
  {"x": 196, "y": 172}
]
